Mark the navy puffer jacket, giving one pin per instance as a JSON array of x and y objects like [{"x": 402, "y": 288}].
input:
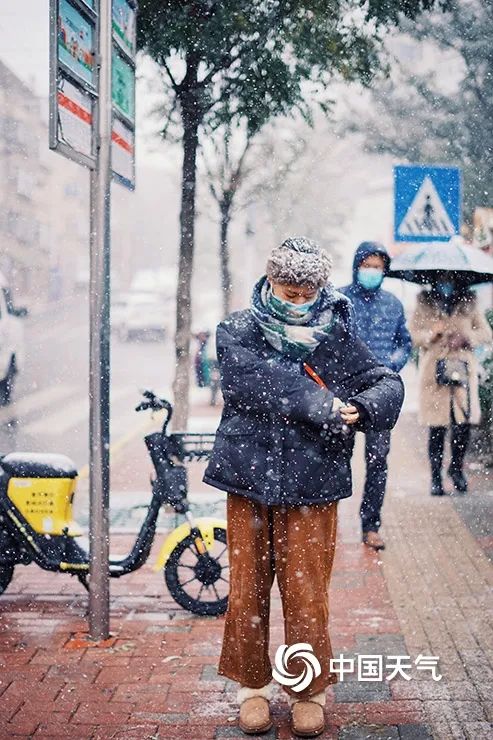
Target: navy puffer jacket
[
  {"x": 379, "y": 315},
  {"x": 278, "y": 441}
]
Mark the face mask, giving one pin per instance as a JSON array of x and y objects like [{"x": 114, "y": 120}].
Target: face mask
[
  {"x": 286, "y": 308},
  {"x": 370, "y": 278},
  {"x": 445, "y": 289}
]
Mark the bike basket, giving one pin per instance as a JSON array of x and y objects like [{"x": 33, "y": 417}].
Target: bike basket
[{"x": 193, "y": 445}]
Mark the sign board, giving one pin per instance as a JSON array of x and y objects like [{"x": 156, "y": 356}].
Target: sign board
[
  {"x": 123, "y": 91},
  {"x": 91, "y": 103},
  {"x": 73, "y": 78},
  {"x": 124, "y": 25},
  {"x": 122, "y": 153},
  {"x": 76, "y": 43},
  {"x": 123, "y": 86},
  {"x": 75, "y": 118},
  {"x": 74, "y": 82},
  {"x": 427, "y": 203}
]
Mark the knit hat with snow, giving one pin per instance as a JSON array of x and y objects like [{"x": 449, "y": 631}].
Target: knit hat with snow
[{"x": 299, "y": 261}]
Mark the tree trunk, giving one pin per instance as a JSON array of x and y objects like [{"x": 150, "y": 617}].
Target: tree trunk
[
  {"x": 226, "y": 281},
  {"x": 181, "y": 385}
]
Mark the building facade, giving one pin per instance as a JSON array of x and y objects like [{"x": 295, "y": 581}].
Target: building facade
[{"x": 43, "y": 200}]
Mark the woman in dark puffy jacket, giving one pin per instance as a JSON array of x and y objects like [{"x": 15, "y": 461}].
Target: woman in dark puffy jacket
[{"x": 296, "y": 383}]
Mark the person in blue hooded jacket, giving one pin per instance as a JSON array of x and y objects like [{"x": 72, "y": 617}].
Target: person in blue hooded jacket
[{"x": 381, "y": 324}]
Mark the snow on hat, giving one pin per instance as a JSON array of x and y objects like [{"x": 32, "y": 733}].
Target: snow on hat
[{"x": 299, "y": 261}]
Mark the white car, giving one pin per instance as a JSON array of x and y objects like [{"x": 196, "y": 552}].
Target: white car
[
  {"x": 145, "y": 316},
  {"x": 11, "y": 342},
  {"x": 162, "y": 282},
  {"x": 119, "y": 308}
]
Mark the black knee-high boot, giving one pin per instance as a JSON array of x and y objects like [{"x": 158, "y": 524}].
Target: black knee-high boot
[
  {"x": 436, "y": 443},
  {"x": 460, "y": 439}
]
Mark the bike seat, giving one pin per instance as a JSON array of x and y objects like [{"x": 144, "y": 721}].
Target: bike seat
[{"x": 38, "y": 465}]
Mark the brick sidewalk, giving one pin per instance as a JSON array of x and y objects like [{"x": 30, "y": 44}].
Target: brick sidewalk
[{"x": 426, "y": 594}]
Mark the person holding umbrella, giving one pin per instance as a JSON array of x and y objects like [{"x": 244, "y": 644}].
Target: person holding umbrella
[{"x": 447, "y": 326}]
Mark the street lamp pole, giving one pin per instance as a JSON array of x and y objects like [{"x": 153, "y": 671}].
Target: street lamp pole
[{"x": 99, "y": 342}]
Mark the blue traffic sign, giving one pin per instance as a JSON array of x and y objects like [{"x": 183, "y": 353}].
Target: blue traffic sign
[{"x": 427, "y": 203}]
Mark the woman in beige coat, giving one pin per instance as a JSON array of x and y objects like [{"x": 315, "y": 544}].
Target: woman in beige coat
[{"x": 448, "y": 325}]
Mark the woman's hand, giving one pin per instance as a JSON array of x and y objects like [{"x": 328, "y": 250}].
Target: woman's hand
[
  {"x": 337, "y": 404},
  {"x": 349, "y": 414}
]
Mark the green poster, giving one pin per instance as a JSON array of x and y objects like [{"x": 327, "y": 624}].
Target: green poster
[{"x": 123, "y": 86}]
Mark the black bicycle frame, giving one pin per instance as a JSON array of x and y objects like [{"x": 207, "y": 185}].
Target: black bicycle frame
[
  {"x": 72, "y": 558},
  {"x": 61, "y": 553}
]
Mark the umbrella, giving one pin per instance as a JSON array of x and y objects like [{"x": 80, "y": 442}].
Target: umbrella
[{"x": 425, "y": 263}]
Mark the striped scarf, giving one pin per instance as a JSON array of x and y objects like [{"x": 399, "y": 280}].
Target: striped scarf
[{"x": 294, "y": 336}]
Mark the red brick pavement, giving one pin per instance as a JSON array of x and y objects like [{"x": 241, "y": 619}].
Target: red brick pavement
[{"x": 159, "y": 680}]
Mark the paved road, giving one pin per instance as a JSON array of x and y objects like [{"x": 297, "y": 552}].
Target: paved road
[{"x": 51, "y": 409}]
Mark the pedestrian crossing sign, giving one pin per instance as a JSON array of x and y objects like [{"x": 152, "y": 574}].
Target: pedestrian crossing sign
[{"x": 427, "y": 203}]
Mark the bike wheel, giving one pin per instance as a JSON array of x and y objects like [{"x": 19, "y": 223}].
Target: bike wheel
[
  {"x": 199, "y": 583},
  {"x": 6, "y": 573}
]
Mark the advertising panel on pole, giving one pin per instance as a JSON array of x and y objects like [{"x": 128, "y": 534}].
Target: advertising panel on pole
[
  {"x": 123, "y": 86},
  {"x": 124, "y": 25},
  {"x": 92, "y": 103},
  {"x": 122, "y": 154},
  {"x": 75, "y": 118},
  {"x": 75, "y": 35},
  {"x": 73, "y": 78},
  {"x": 74, "y": 85},
  {"x": 124, "y": 14}
]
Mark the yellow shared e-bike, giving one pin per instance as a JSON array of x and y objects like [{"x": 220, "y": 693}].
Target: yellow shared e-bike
[{"x": 36, "y": 525}]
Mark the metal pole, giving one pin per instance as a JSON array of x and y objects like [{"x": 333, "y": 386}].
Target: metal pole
[{"x": 99, "y": 343}]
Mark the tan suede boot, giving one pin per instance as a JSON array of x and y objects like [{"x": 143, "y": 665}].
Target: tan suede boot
[
  {"x": 307, "y": 717},
  {"x": 254, "y": 710}
]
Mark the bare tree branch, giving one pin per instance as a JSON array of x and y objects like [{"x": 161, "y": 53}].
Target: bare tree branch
[{"x": 174, "y": 84}]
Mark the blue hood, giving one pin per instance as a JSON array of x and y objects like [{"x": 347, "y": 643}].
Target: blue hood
[{"x": 364, "y": 250}]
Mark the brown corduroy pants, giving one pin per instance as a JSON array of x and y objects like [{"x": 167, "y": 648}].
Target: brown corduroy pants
[{"x": 297, "y": 545}]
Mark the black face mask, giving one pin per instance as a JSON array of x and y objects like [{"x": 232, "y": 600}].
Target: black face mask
[{"x": 445, "y": 289}]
